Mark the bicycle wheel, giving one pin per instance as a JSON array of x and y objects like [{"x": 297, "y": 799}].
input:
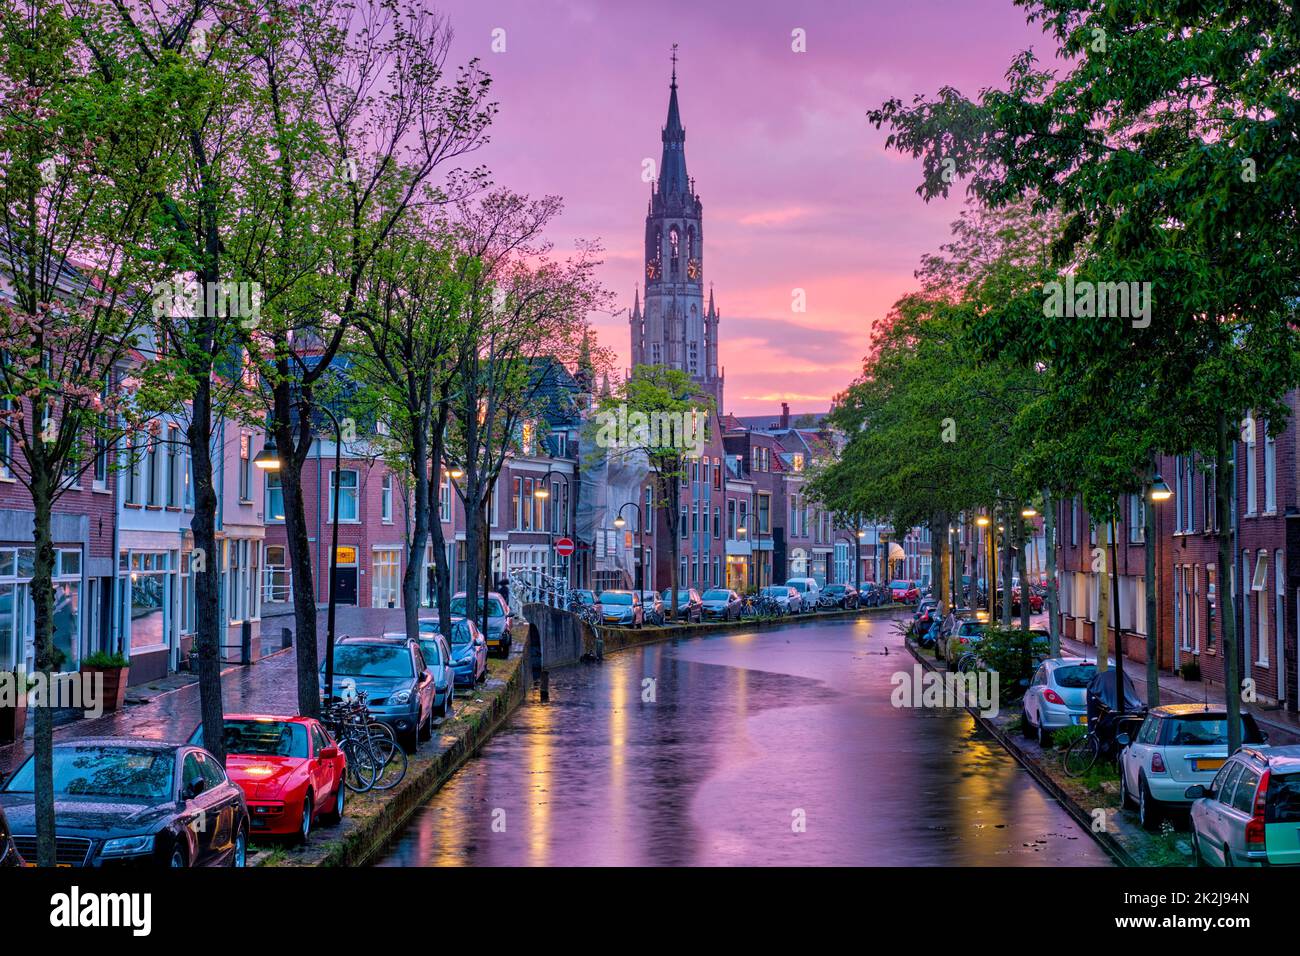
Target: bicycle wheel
[
  {"x": 967, "y": 664},
  {"x": 377, "y": 729},
  {"x": 361, "y": 771},
  {"x": 1080, "y": 756},
  {"x": 390, "y": 762}
]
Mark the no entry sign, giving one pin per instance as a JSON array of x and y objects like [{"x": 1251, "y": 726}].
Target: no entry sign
[{"x": 564, "y": 547}]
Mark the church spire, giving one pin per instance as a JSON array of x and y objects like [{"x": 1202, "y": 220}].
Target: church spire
[{"x": 672, "y": 167}]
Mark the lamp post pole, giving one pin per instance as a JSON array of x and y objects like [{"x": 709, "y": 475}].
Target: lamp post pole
[
  {"x": 543, "y": 493},
  {"x": 620, "y": 522}
]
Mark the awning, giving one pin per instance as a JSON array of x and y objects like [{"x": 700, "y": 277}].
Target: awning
[{"x": 896, "y": 552}]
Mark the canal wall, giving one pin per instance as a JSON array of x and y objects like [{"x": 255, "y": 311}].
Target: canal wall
[
  {"x": 372, "y": 819},
  {"x": 555, "y": 636}
]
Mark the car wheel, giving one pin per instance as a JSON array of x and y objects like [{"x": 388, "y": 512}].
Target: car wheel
[
  {"x": 1126, "y": 800},
  {"x": 1227, "y": 856},
  {"x": 1197, "y": 859},
  {"x": 239, "y": 855},
  {"x": 1148, "y": 812},
  {"x": 1026, "y": 727},
  {"x": 335, "y": 816},
  {"x": 410, "y": 741},
  {"x": 177, "y": 861},
  {"x": 304, "y": 829},
  {"x": 1044, "y": 737},
  {"x": 426, "y": 727}
]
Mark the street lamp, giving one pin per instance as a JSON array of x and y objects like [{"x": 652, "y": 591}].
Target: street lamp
[
  {"x": 1158, "y": 493},
  {"x": 620, "y": 522},
  {"x": 268, "y": 459},
  {"x": 543, "y": 492},
  {"x": 856, "y": 541},
  {"x": 1160, "y": 490}
]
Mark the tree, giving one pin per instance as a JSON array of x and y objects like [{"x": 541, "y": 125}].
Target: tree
[
  {"x": 82, "y": 162},
  {"x": 664, "y": 409},
  {"x": 1168, "y": 145}
]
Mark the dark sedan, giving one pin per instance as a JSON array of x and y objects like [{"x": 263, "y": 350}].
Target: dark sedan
[
  {"x": 8, "y": 852},
  {"x": 689, "y": 606},
  {"x": 721, "y": 604},
  {"x": 844, "y": 595},
  {"x": 500, "y": 620},
  {"x": 124, "y": 801}
]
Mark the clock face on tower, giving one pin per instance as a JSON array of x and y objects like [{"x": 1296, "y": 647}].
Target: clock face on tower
[
  {"x": 693, "y": 269},
  {"x": 651, "y": 270}
]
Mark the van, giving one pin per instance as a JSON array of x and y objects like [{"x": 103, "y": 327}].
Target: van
[{"x": 809, "y": 591}]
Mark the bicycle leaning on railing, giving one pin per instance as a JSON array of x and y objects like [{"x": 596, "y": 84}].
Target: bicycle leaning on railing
[
  {"x": 375, "y": 760},
  {"x": 761, "y": 606}
]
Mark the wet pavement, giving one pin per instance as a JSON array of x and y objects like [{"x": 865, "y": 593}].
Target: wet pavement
[{"x": 776, "y": 747}]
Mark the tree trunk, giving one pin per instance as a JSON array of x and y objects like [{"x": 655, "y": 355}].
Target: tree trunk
[
  {"x": 473, "y": 544},
  {"x": 1223, "y": 488},
  {"x": 672, "y": 490},
  {"x": 945, "y": 594},
  {"x": 1053, "y": 597},
  {"x": 1025, "y": 610},
  {"x": 420, "y": 532},
  {"x": 1006, "y": 572},
  {"x": 1103, "y": 601},
  {"x": 441, "y": 568},
  {"x": 1119, "y": 621},
  {"x": 205, "y": 568},
  {"x": 294, "y": 447},
  {"x": 42, "y": 590}
]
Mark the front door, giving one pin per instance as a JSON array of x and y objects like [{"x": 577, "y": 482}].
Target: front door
[{"x": 345, "y": 586}]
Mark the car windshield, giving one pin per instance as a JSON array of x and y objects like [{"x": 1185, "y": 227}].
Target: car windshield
[
  {"x": 266, "y": 738},
  {"x": 127, "y": 773},
  {"x": 971, "y": 628},
  {"x": 431, "y": 651},
  {"x": 900, "y": 585},
  {"x": 1075, "y": 676},
  {"x": 494, "y": 607},
  {"x": 682, "y": 595},
  {"x": 776, "y": 592},
  {"x": 371, "y": 660},
  {"x": 717, "y": 595},
  {"x": 615, "y": 597},
  {"x": 797, "y": 585},
  {"x": 460, "y": 633},
  {"x": 834, "y": 588},
  {"x": 1197, "y": 731},
  {"x": 585, "y": 597}
]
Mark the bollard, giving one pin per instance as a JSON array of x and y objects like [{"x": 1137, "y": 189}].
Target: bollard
[
  {"x": 246, "y": 643},
  {"x": 600, "y": 648},
  {"x": 546, "y": 686},
  {"x": 286, "y": 637}
]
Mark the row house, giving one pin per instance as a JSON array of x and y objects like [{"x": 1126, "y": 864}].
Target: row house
[{"x": 1262, "y": 584}]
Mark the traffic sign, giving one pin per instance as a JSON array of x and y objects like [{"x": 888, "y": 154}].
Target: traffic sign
[{"x": 564, "y": 547}]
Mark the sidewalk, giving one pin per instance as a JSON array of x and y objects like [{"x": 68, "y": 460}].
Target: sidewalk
[
  {"x": 1281, "y": 726},
  {"x": 270, "y": 684}
]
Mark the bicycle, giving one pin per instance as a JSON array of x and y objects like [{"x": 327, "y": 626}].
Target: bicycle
[
  {"x": 375, "y": 760},
  {"x": 1083, "y": 754},
  {"x": 968, "y": 662}
]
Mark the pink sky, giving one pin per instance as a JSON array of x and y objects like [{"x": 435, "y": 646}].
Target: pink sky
[{"x": 798, "y": 190}]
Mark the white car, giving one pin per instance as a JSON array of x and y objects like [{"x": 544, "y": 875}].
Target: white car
[
  {"x": 809, "y": 592},
  {"x": 1178, "y": 746},
  {"x": 1057, "y": 697}
]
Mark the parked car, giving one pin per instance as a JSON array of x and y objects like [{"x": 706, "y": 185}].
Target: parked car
[
  {"x": 399, "y": 687},
  {"x": 1249, "y": 815},
  {"x": 875, "y": 595},
  {"x": 809, "y": 592},
  {"x": 468, "y": 652},
  {"x": 436, "y": 650},
  {"x": 789, "y": 598},
  {"x": 962, "y": 639},
  {"x": 721, "y": 604},
  {"x": 904, "y": 592},
  {"x": 8, "y": 852},
  {"x": 583, "y": 596},
  {"x": 844, "y": 595},
  {"x": 689, "y": 606},
  {"x": 951, "y": 623},
  {"x": 623, "y": 608},
  {"x": 1177, "y": 746},
  {"x": 654, "y": 607},
  {"x": 500, "y": 623},
  {"x": 1057, "y": 697},
  {"x": 123, "y": 801},
  {"x": 289, "y": 768}
]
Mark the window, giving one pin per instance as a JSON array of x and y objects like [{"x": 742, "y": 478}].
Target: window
[
  {"x": 444, "y": 499},
  {"x": 277, "y": 586},
  {"x": 764, "y": 513},
  {"x": 245, "y": 467},
  {"x": 649, "y": 509},
  {"x": 385, "y": 589},
  {"x": 731, "y": 518},
  {"x": 386, "y": 502},
  {"x": 1279, "y": 614},
  {"x": 717, "y": 523},
  {"x": 175, "y": 467},
  {"x": 717, "y": 474},
  {"x": 153, "y": 490},
  {"x": 1136, "y": 521},
  {"x": 1074, "y": 520},
  {"x": 1251, "y": 503},
  {"x": 1211, "y": 522},
  {"x": 6, "y": 449},
  {"x": 684, "y": 519},
  {"x": 274, "y": 497},
  {"x": 347, "y": 494},
  {"x": 1270, "y": 472}
]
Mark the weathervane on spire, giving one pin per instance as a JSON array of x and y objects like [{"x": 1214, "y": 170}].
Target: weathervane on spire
[{"x": 674, "y": 64}]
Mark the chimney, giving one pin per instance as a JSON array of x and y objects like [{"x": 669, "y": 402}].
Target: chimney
[{"x": 785, "y": 415}]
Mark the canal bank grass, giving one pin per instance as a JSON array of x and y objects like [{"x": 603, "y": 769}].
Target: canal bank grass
[
  {"x": 1092, "y": 800},
  {"x": 372, "y": 819},
  {"x": 622, "y": 638}
]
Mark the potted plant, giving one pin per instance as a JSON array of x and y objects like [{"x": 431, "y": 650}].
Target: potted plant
[
  {"x": 114, "y": 668},
  {"x": 1191, "y": 670},
  {"x": 14, "y": 686}
]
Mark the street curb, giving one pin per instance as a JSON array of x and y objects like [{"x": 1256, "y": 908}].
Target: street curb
[
  {"x": 363, "y": 834},
  {"x": 1080, "y": 814},
  {"x": 625, "y": 638}
]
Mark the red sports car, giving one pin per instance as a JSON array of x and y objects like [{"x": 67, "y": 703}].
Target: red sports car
[
  {"x": 904, "y": 592},
  {"x": 289, "y": 768}
]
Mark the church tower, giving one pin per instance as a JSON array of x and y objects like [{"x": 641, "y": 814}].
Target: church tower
[{"x": 674, "y": 328}]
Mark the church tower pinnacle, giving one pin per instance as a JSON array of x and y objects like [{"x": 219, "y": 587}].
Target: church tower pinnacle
[{"x": 672, "y": 327}]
